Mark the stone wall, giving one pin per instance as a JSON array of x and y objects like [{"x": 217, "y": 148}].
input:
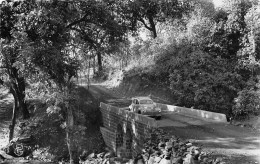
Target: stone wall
[{"x": 125, "y": 131}]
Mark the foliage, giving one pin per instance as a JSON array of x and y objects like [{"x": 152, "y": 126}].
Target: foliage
[
  {"x": 208, "y": 59},
  {"x": 149, "y": 13},
  {"x": 229, "y": 30},
  {"x": 249, "y": 53},
  {"x": 65, "y": 103},
  {"x": 39, "y": 51},
  {"x": 199, "y": 27},
  {"x": 204, "y": 82},
  {"x": 48, "y": 125},
  {"x": 11, "y": 43},
  {"x": 247, "y": 101},
  {"x": 97, "y": 28}
]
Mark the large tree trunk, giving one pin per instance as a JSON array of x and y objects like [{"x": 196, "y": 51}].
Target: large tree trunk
[
  {"x": 21, "y": 98},
  {"x": 94, "y": 65},
  {"x": 88, "y": 73},
  {"x": 72, "y": 153},
  {"x": 19, "y": 89},
  {"x": 99, "y": 61},
  {"x": 22, "y": 105},
  {"x": 15, "y": 109},
  {"x": 152, "y": 25},
  {"x": 69, "y": 136}
]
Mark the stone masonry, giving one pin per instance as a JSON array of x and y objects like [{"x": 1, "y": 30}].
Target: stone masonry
[{"x": 125, "y": 131}]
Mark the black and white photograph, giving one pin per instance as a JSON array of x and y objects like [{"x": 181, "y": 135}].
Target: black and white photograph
[{"x": 129, "y": 81}]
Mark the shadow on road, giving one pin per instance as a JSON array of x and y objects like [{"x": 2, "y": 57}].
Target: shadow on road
[
  {"x": 107, "y": 96},
  {"x": 221, "y": 138}
]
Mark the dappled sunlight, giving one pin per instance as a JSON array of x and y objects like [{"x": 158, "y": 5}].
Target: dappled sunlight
[
  {"x": 168, "y": 122},
  {"x": 232, "y": 147},
  {"x": 4, "y": 139},
  {"x": 5, "y": 95},
  {"x": 6, "y": 101},
  {"x": 223, "y": 142},
  {"x": 214, "y": 136},
  {"x": 248, "y": 144}
]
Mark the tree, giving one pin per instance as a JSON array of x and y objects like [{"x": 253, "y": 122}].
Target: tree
[
  {"x": 10, "y": 56},
  {"x": 31, "y": 38},
  {"x": 199, "y": 24},
  {"x": 230, "y": 29},
  {"x": 250, "y": 51},
  {"x": 204, "y": 82},
  {"x": 247, "y": 101},
  {"x": 98, "y": 26},
  {"x": 50, "y": 56},
  {"x": 148, "y": 13},
  {"x": 52, "y": 29}
]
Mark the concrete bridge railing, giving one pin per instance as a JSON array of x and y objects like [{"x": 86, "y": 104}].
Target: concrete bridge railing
[
  {"x": 194, "y": 112},
  {"x": 124, "y": 131}
]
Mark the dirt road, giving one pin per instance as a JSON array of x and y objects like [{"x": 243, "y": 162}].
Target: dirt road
[{"x": 239, "y": 145}]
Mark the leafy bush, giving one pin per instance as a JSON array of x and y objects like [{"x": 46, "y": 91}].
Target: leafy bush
[
  {"x": 204, "y": 82},
  {"x": 247, "y": 101}
]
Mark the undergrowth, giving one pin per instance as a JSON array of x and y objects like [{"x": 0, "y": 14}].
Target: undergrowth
[{"x": 49, "y": 133}]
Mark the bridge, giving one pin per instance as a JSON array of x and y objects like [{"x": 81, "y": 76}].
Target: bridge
[{"x": 125, "y": 132}]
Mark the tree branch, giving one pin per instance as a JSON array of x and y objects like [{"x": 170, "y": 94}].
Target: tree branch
[
  {"x": 145, "y": 25},
  {"x": 153, "y": 28},
  {"x": 77, "y": 21},
  {"x": 86, "y": 38}
]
